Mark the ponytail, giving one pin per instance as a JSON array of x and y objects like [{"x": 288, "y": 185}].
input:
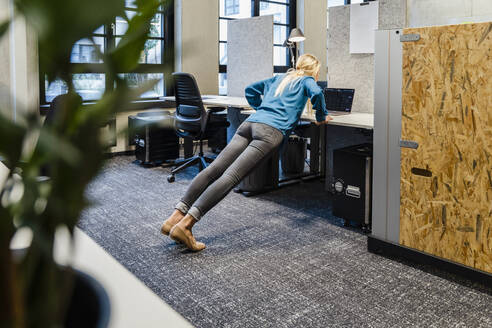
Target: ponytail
[
  {"x": 293, "y": 76},
  {"x": 307, "y": 65}
]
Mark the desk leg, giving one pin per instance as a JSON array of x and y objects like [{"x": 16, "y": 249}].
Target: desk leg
[
  {"x": 323, "y": 149},
  {"x": 315, "y": 148},
  {"x": 235, "y": 118},
  {"x": 112, "y": 131},
  {"x": 188, "y": 147}
]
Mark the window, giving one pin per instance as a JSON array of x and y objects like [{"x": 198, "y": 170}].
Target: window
[
  {"x": 92, "y": 82},
  {"x": 284, "y": 17},
  {"x": 231, "y": 7},
  {"x": 333, "y": 3},
  {"x": 281, "y": 29},
  {"x": 264, "y": 5}
]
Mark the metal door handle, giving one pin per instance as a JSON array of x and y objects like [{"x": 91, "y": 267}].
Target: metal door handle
[
  {"x": 409, "y": 144},
  {"x": 352, "y": 191}
]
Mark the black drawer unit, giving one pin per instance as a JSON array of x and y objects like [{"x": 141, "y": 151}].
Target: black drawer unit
[
  {"x": 154, "y": 138},
  {"x": 294, "y": 156},
  {"x": 217, "y": 134},
  {"x": 352, "y": 179}
]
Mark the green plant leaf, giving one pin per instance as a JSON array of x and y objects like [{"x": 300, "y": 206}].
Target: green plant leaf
[
  {"x": 4, "y": 27},
  {"x": 54, "y": 146},
  {"x": 72, "y": 144},
  {"x": 12, "y": 138}
]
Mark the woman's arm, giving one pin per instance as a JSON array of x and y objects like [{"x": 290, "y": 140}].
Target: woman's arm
[
  {"x": 254, "y": 91},
  {"x": 317, "y": 99}
]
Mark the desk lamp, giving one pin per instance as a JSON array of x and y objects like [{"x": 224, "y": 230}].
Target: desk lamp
[{"x": 295, "y": 36}]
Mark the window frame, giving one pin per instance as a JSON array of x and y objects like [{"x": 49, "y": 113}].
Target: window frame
[
  {"x": 235, "y": 5},
  {"x": 348, "y": 2},
  {"x": 166, "y": 38},
  {"x": 255, "y": 12}
]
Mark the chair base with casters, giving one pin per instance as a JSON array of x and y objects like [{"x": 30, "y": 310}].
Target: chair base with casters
[{"x": 202, "y": 161}]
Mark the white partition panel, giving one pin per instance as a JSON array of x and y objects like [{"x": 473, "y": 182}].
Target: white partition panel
[
  {"x": 249, "y": 52},
  {"x": 387, "y": 131}
]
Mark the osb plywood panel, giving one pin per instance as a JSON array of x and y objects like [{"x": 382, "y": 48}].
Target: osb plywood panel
[{"x": 446, "y": 184}]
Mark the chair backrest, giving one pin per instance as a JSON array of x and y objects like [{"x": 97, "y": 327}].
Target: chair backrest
[
  {"x": 56, "y": 106},
  {"x": 191, "y": 116}
]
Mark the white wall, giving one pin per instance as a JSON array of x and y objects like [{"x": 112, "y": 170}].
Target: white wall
[
  {"x": 311, "y": 18},
  {"x": 19, "y": 74},
  {"x": 5, "y": 65},
  {"x": 197, "y": 41},
  {"x": 26, "y": 68},
  {"x": 438, "y": 12}
]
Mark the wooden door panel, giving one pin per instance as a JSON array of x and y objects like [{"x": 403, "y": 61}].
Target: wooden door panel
[{"x": 446, "y": 183}]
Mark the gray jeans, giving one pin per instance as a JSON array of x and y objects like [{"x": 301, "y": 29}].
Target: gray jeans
[{"x": 252, "y": 143}]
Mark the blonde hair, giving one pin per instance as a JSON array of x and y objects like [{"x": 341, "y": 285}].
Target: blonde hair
[{"x": 307, "y": 65}]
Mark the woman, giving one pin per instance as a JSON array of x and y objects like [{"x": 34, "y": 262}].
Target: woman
[{"x": 277, "y": 114}]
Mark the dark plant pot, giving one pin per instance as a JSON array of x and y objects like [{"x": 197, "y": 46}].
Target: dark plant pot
[{"x": 89, "y": 306}]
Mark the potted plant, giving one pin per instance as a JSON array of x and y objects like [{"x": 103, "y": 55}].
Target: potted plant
[{"x": 34, "y": 290}]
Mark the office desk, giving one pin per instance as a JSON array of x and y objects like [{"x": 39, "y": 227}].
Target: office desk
[
  {"x": 353, "y": 120},
  {"x": 238, "y": 106}
]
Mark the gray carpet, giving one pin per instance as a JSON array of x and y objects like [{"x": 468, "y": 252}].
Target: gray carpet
[{"x": 274, "y": 260}]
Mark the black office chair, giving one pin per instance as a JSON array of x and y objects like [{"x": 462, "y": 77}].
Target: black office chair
[
  {"x": 57, "y": 105},
  {"x": 192, "y": 120}
]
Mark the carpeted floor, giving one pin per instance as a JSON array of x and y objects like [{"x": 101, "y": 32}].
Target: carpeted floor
[{"x": 274, "y": 260}]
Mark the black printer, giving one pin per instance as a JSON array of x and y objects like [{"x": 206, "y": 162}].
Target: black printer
[{"x": 154, "y": 137}]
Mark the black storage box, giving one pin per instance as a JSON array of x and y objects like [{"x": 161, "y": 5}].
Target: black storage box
[
  {"x": 352, "y": 172},
  {"x": 294, "y": 156},
  {"x": 263, "y": 177},
  {"x": 154, "y": 137}
]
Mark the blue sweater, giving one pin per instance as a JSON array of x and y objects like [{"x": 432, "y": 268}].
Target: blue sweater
[{"x": 284, "y": 111}]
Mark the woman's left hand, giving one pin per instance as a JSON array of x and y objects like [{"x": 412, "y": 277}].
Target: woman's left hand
[{"x": 327, "y": 119}]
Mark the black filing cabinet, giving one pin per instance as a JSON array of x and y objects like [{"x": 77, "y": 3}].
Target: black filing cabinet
[{"x": 352, "y": 179}]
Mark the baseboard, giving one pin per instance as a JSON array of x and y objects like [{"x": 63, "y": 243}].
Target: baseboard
[{"x": 387, "y": 248}]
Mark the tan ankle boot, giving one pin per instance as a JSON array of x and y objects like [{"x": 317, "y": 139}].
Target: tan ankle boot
[
  {"x": 166, "y": 228},
  {"x": 182, "y": 236}
]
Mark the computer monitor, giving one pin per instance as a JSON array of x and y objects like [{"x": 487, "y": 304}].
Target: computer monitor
[
  {"x": 339, "y": 100},
  {"x": 322, "y": 84}
]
